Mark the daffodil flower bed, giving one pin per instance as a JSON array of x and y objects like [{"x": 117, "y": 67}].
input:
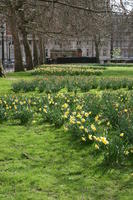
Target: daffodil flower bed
[
  {"x": 67, "y": 71},
  {"x": 102, "y": 121},
  {"x": 73, "y": 66},
  {"x": 82, "y": 83}
]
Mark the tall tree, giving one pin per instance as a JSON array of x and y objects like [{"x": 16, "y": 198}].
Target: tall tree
[{"x": 15, "y": 34}]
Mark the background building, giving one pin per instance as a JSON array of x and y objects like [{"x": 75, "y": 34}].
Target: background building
[{"x": 74, "y": 47}]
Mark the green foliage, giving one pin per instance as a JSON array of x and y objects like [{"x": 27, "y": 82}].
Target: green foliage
[
  {"x": 3, "y": 114},
  {"x": 25, "y": 86},
  {"x": 115, "y": 154},
  {"x": 23, "y": 114},
  {"x": 84, "y": 84}
]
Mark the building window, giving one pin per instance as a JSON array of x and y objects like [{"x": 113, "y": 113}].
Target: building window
[
  {"x": 57, "y": 43},
  {"x": 78, "y": 42},
  {"x": 125, "y": 53},
  {"x": 46, "y": 52},
  {"x": 117, "y": 43}
]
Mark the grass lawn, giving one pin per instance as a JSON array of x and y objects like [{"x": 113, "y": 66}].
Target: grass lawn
[
  {"x": 39, "y": 162},
  {"x": 119, "y": 72}
]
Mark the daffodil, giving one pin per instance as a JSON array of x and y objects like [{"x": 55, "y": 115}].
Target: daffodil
[
  {"x": 104, "y": 140},
  {"x": 83, "y": 139},
  {"x": 126, "y": 153},
  {"x": 44, "y": 110},
  {"x": 86, "y": 130},
  {"x": 96, "y": 146},
  {"x": 90, "y": 137},
  {"x": 96, "y": 118},
  {"x": 65, "y": 105},
  {"x": 81, "y": 127},
  {"x": 79, "y": 107},
  {"x": 83, "y": 120},
  {"x": 93, "y": 127},
  {"x": 125, "y": 110},
  {"x": 122, "y": 134},
  {"x": 108, "y": 123},
  {"x": 79, "y": 116},
  {"x": 86, "y": 114}
]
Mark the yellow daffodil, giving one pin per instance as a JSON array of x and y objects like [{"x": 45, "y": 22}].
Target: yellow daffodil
[
  {"x": 81, "y": 127},
  {"x": 65, "y": 105},
  {"x": 79, "y": 107},
  {"x": 93, "y": 127},
  {"x": 44, "y": 110},
  {"x": 126, "y": 153},
  {"x": 90, "y": 137},
  {"x": 96, "y": 146},
  {"x": 86, "y": 130},
  {"x": 96, "y": 118},
  {"x": 83, "y": 139},
  {"x": 104, "y": 140},
  {"x": 98, "y": 139},
  {"x": 122, "y": 134},
  {"x": 72, "y": 120},
  {"x": 108, "y": 123},
  {"x": 86, "y": 114},
  {"x": 83, "y": 120},
  {"x": 79, "y": 116}
]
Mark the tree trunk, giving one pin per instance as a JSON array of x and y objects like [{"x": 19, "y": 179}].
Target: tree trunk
[
  {"x": 35, "y": 51},
  {"x": 41, "y": 51},
  {"x": 28, "y": 55},
  {"x": 44, "y": 60},
  {"x": 111, "y": 46},
  {"x": 17, "y": 48},
  {"x": 97, "y": 52}
]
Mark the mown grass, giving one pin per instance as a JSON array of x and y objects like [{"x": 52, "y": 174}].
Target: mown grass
[
  {"x": 119, "y": 72},
  {"x": 39, "y": 162}
]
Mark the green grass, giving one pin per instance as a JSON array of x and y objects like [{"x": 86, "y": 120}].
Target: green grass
[
  {"x": 39, "y": 162},
  {"x": 5, "y": 83},
  {"x": 119, "y": 72}
]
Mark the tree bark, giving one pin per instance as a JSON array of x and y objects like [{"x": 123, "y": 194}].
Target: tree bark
[
  {"x": 111, "y": 46},
  {"x": 97, "y": 52},
  {"x": 17, "y": 48},
  {"x": 28, "y": 55},
  {"x": 41, "y": 51},
  {"x": 35, "y": 51}
]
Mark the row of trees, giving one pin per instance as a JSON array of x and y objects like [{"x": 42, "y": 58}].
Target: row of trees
[{"x": 63, "y": 18}]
